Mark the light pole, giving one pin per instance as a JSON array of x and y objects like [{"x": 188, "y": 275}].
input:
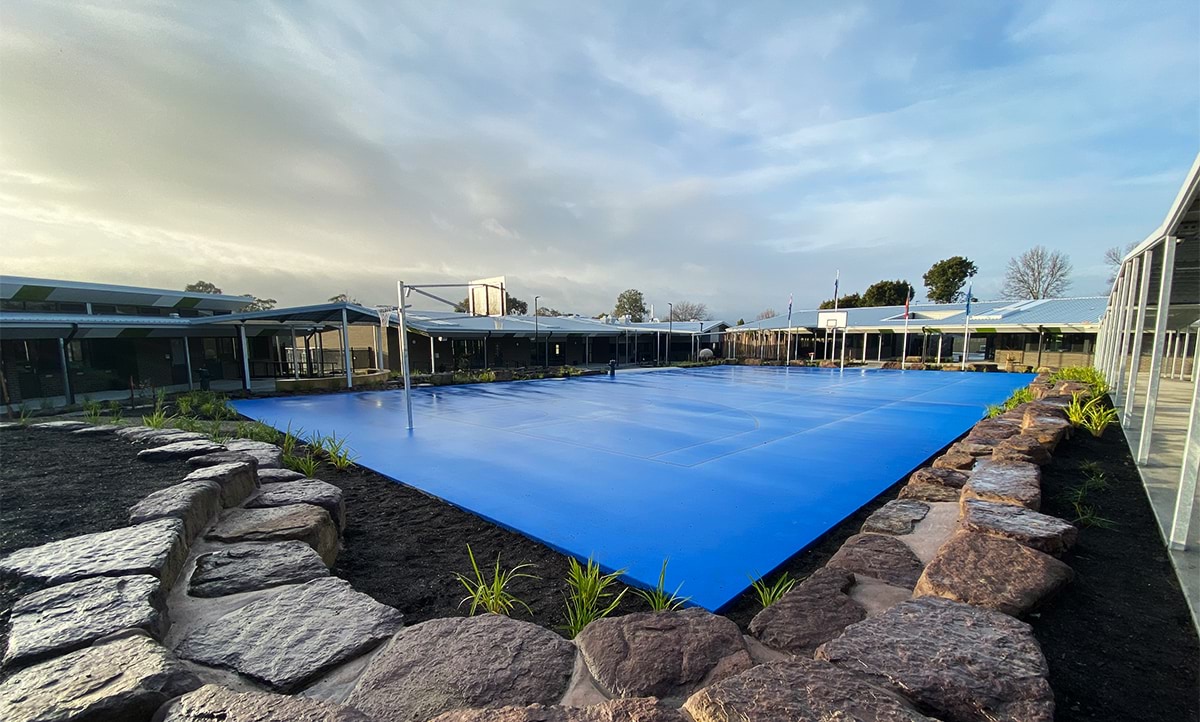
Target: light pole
[
  {"x": 535, "y": 323},
  {"x": 670, "y": 328}
]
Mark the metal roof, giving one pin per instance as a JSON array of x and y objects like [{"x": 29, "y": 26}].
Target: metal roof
[
  {"x": 21, "y": 288},
  {"x": 1074, "y": 313}
]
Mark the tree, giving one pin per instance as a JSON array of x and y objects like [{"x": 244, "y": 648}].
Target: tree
[
  {"x": 1037, "y": 273},
  {"x": 945, "y": 279},
  {"x": 850, "y": 300},
  {"x": 515, "y": 306},
  {"x": 765, "y": 314},
  {"x": 1113, "y": 258},
  {"x": 342, "y": 298},
  {"x": 689, "y": 311},
  {"x": 258, "y": 304},
  {"x": 741, "y": 322},
  {"x": 887, "y": 293},
  {"x": 547, "y": 311},
  {"x": 202, "y": 287},
  {"x": 631, "y": 303}
]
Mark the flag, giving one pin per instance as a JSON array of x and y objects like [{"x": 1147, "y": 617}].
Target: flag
[
  {"x": 968, "y": 300},
  {"x": 789, "y": 308},
  {"x": 835, "y": 284}
]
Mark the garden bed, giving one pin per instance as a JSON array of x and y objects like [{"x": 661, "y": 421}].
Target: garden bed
[{"x": 1119, "y": 640}]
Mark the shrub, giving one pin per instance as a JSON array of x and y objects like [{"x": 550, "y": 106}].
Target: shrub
[
  {"x": 768, "y": 594},
  {"x": 1098, "y": 417},
  {"x": 658, "y": 599},
  {"x": 291, "y": 439},
  {"x": 994, "y": 410},
  {"x": 1077, "y": 410},
  {"x": 114, "y": 412},
  {"x": 306, "y": 464},
  {"x": 24, "y": 414},
  {"x": 492, "y": 595},
  {"x": 157, "y": 420},
  {"x": 339, "y": 452},
  {"x": 92, "y": 411},
  {"x": 588, "y": 595},
  {"x": 1083, "y": 374}
]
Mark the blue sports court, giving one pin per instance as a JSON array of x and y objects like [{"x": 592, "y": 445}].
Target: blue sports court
[{"x": 726, "y": 470}]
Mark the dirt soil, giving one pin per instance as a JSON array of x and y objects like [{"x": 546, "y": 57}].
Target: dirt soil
[
  {"x": 1119, "y": 640},
  {"x": 55, "y": 485}
]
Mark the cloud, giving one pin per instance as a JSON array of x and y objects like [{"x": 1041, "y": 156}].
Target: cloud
[{"x": 723, "y": 154}]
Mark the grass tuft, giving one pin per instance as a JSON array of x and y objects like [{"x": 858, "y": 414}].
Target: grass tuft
[
  {"x": 588, "y": 595},
  {"x": 658, "y": 599},
  {"x": 768, "y": 594},
  {"x": 492, "y": 595}
]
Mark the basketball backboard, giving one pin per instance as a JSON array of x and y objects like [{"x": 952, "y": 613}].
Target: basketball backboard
[
  {"x": 831, "y": 319},
  {"x": 487, "y": 297}
]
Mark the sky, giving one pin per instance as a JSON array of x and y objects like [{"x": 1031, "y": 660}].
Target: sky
[{"x": 731, "y": 154}]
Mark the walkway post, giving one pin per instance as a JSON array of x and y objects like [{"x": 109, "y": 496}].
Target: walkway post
[
  {"x": 1139, "y": 331},
  {"x": 346, "y": 351},
  {"x": 295, "y": 366},
  {"x": 187, "y": 357},
  {"x": 68, "y": 397},
  {"x": 1157, "y": 349},
  {"x": 1126, "y": 323},
  {"x": 1187, "y": 475},
  {"x": 404, "y": 354},
  {"x": 245, "y": 357}
]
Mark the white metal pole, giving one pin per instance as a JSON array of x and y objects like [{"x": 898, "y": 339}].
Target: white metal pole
[
  {"x": 865, "y": 334},
  {"x": 939, "y": 357},
  {"x": 843, "y": 355},
  {"x": 1173, "y": 352},
  {"x": 346, "y": 351},
  {"x": 1127, "y": 325},
  {"x": 879, "y": 351},
  {"x": 1188, "y": 471},
  {"x": 245, "y": 356},
  {"x": 788, "y": 355},
  {"x": 966, "y": 341},
  {"x": 1139, "y": 331},
  {"x": 404, "y": 354},
  {"x": 1156, "y": 351},
  {"x": 904, "y": 351},
  {"x": 295, "y": 366},
  {"x": 187, "y": 355}
]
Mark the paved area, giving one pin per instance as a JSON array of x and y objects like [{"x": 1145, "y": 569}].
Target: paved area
[{"x": 1161, "y": 476}]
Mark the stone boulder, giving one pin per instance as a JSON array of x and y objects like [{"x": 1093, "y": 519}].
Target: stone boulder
[
  {"x": 445, "y": 664},
  {"x": 1049, "y": 432},
  {"x": 898, "y": 517},
  {"x": 951, "y": 478},
  {"x": 60, "y": 425},
  {"x": 1023, "y": 447},
  {"x": 1006, "y": 482},
  {"x": 954, "y": 460},
  {"x": 237, "y": 480},
  {"x": 956, "y": 661},
  {"x": 638, "y": 709},
  {"x": 304, "y": 491},
  {"x": 249, "y": 567},
  {"x": 123, "y": 679},
  {"x": 881, "y": 557},
  {"x": 303, "y": 522},
  {"x": 286, "y": 639},
  {"x": 73, "y": 615},
  {"x": 971, "y": 448},
  {"x": 991, "y": 572},
  {"x": 212, "y": 702},
  {"x": 192, "y": 502},
  {"x": 800, "y": 689},
  {"x": 662, "y": 654},
  {"x": 222, "y": 457},
  {"x": 815, "y": 611},
  {"x": 274, "y": 476},
  {"x": 156, "y": 548},
  {"x": 179, "y": 450},
  {"x": 146, "y": 434},
  {"x": 928, "y": 492},
  {"x": 992, "y": 431},
  {"x": 1033, "y": 529},
  {"x": 97, "y": 430},
  {"x": 269, "y": 456}
]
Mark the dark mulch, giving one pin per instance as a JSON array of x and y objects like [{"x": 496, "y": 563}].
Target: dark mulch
[
  {"x": 55, "y": 485},
  {"x": 404, "y": 548},
  {"x": 1119, "y": 640}
]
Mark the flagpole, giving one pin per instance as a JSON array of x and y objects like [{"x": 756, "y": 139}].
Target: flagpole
[
  {"x": 788, "y": 355},
  {"x": 904, "y": 349},
  {"x": 828, "y": 347}
]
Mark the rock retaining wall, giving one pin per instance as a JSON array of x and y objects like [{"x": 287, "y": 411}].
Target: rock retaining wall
[{"x": 216, "y": 603}]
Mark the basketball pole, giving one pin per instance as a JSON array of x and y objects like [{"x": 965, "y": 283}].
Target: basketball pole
[{"x": 404, "y": 354}]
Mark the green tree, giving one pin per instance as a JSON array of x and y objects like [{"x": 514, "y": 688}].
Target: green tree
[
  {"x": 850, "y": 300},
  {"x": 945, "y": 279},
  {"x": 887, "y": 293},
  {"x": 515, "y": 306},
  {"x": 741, "y": 322},
  {"x": 202, "y": 287},
  {"x": 343, "y": 298},
  {"x": 631, "y": 303},
  {"x": 259, "y": 304}
]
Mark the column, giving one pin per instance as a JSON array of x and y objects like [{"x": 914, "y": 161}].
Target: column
[
  {"x": 245, "y": 357},
  {"x": 346, "y": 362},
  {"x": 1156, "y": 350},
  {"x": 1139, "y": 328}
]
